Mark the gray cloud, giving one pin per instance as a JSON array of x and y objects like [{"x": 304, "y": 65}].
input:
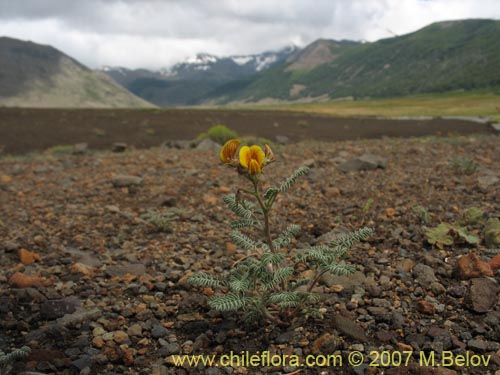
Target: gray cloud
[{"x": 156, "y": 33}]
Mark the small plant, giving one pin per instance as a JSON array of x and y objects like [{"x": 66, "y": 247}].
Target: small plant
[
  {"x": 464, "y": 164},
  {"x": 422, "y": 213},
  {"x": 267, "y": 283},
  {"x": 219, "y": 134},
  {"x": 7, "y": 359},
  {"x": 160, "y": 220},
  {"x": 60, "y": 149},
  {"x": 99, "y": 132}
]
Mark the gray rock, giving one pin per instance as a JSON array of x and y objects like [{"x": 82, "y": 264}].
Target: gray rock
[
  {"x": 363, "y": 163},
  {"x": 83, "y": 362},
  {"x": 119, "y": 147},
  {"x": 347, "y": 281},
  {"x": 208, "y": 145},
  {"x": 332, "y": 235},
  {"x": 496, "y": 127},
  {"x": 349, "y": 328},
  {"x": 177, "y": 144},
  {"x": 487, "y": 178},
  {"x": 126, "y": 181},
  {"x": 136, "y": 269},
  {"x": 478, "y": 345},
  {"x": 424, "y": 275},
  {"x": 282, "y": 139},
  {"x": 158, "y": 331},
  {"x": 80, "y": 148},
  {"x": 482, "y": 294},
  {"x": 135, "y": 330},
  {"x": 53, "y": 309}
]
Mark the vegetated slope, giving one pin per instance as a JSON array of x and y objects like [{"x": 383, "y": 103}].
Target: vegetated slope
[
  {"x": 191, "y": 81},
  {"x": 444, "y": 56},
  {"x": 34, "y": 75}
]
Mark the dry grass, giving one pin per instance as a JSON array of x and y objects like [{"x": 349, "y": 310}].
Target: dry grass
[{"x": 452, "y": 104}]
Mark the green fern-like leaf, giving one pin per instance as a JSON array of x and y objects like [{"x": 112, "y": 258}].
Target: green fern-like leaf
[
  {"x": 279, "y": 276},
  {"x": 273, "y": 258},
  {"x": 317, "y": 254},
  {"x": 347, "y": 241},
  {"x": 242, "y": 240},
  {"x": 338, "y": 269},
  {"x": 239, "y": 285},
  {"x": 228, "y": 302},
  {"x": 204, "y": 280},
  {"x": 286, "y": 236},
  {"x": 244, "y": 223},
  {"x": 241, "y": 208},
  {"x": 283, "y": 296},
  {"x": 271, "y": 193},
  {"x": 287, "y": 184},
  {"x": 298, "y": 283}
]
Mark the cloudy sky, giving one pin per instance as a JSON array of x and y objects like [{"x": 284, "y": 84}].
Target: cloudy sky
[{"x": 159, "y": 33}]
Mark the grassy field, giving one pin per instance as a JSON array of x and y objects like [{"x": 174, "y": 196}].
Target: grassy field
[{"x": 452, "y": 104}]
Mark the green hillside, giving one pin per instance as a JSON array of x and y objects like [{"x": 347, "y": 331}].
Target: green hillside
[{"x": 445, "y": 56}]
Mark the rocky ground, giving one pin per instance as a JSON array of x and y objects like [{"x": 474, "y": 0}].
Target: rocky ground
[{"x": 96, "y": 249}]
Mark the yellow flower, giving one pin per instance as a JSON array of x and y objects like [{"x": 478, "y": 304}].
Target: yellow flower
[
  {"x": 252, "y": 158},
  {"x": 228, "y": 151}
]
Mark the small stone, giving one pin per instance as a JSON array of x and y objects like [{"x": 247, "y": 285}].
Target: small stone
[
  {"x": 405, "y": 265},
  {"x": 158, "y": 331},
  {"x": 136, "y": 269},
  {"x": 282, "y": 139},
  {"x": 80, "y": 148},
  {"x": 126, "y": 181},
  {"x": 208, "y": 145},
  {"x": 327, "y": 343},
  {"x": 426, "y": 307},
  {"x": 482, "y": 295},
  {"x": 437, "y": 288},
  {"x": 98, "y": 342},
  {"x": 119, "y": 147},
  {"x": 350, "y": 328},
  {"x": 135, "y": 330},
  {"x": 53, "y": 309},
  {"x": 84, "y": 361},
  {"x": 363, "y": 163},
  {"x": 478, "y": 345},
  {"x": 470, "y": 266},
  {"x": 424, "y": 275},
  {"x": 120, "y": 337}
]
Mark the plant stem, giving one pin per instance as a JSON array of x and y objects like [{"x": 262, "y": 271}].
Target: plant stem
[
  {"x": 274, "y": 319},
  {"x": 265, "y": 211},
  {"x": 316, "y": 279}
]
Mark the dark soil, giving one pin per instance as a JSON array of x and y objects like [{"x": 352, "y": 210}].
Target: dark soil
[
  {"x": 26, "y": 130},
  {"x": 94, "y": 286}
]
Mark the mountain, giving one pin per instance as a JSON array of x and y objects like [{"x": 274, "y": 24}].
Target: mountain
[
  {"x": 34, "y": 75},
  {"x": 444, "y": 56},
  {"x": 191, "y": 81}
]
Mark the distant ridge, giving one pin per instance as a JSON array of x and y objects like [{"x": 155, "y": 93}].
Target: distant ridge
[
  {"x": 444, "y": 56},
  {"x": 35, "y": 75}
]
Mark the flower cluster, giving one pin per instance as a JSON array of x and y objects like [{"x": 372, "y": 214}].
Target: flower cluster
[{"x": 249, "y": 160}]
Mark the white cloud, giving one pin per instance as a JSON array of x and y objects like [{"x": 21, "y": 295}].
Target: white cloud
[{"x": 156, "y": 33}]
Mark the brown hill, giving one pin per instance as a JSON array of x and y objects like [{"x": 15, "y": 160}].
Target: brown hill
[{"x": 34, "y": 75}]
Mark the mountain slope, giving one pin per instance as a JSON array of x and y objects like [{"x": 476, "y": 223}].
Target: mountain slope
[
  {"x": 190, "y": 82},
  {"x": 441, "y": 57},
  {"x": 34, "y": 75}
]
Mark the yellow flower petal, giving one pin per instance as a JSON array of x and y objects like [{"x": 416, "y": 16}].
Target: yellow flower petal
[
  {"x": 245, "y": 156},
  {"x": 252, "y": 158},
  {"x": 258, "y": 154},
  {"x": 229, "y": 150},
  {"x": 254, "y": 167}
]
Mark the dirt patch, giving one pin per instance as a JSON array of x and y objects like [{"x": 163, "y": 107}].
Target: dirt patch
[{"x": 26, "y": 130}]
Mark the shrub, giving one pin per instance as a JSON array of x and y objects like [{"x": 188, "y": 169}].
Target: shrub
[{"x": 219, "y": 133}]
